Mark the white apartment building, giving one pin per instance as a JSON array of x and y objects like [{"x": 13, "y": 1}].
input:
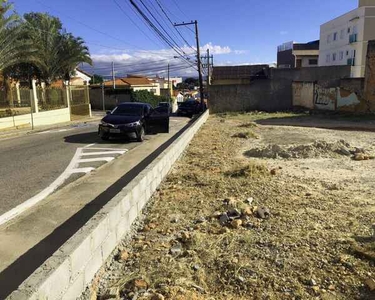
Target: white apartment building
[{"x": 343, "y": 41}]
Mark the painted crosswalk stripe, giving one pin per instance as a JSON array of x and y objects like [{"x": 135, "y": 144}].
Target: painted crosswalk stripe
[
  {"x": 82, "y": 170},
  {"x": 88, "y": 160}
]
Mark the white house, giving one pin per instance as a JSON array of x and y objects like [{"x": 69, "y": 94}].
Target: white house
[{"x": 343, "y": 41}]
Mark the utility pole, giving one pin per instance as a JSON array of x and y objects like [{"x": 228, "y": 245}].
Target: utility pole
[
  {"x": 113, "y": 75},
  {"x": 198, "y": 58},
  {"x": 208, "y": 68},
  {"x": 169, "y": 87}
]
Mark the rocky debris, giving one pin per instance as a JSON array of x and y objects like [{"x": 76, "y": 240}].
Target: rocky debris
[
  {"x": 157, "y": 297},
  {"x": 263, "y": 212},
  {"x": 249, "y": 200},
  {"x": 124, "y": 255},
  {"x": 248, "y": 211},
  {"x": 224, "y": 219},
  {"x": 248, "y": 125},
  {"x": 373, "y": 230},
  {"x": 236, "y": 224},
  {"x": 274, "y": 172},
  {"x": 318, "y": 149},
  {"x": 140, "y": 284},
  {"x": 230, "y": 202},
  {"x": 234, "y": 214},
  {"x": 112, "y": 293},
  {"x": 244, "y": 135},
  {"x": 370, "y": 283},
  {"x": 176, "y": 250}
]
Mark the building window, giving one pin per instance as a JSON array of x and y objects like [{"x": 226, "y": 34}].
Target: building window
[
  {"x": 334, "y": 57},
  {"x": 349, "y": 29},
  {"x": 329, "y": 38},
  {"x": 313, "y": 62},
  {"x": 335, "y": 36},
  {"x": 328, "y": 58},
  {"x": 347, "y": 52},
  {"x": 341, "y": 55},
  {"x": 342, "y": 34}
]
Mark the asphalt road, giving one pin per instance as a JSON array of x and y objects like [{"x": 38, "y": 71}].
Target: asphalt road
[{"x": 29, "y": 164}]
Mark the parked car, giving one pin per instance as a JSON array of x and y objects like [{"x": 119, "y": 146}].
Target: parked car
[
  {"x": 189, "y": 108},
  {"x": 134, "y": 120},
  {"x": 167, "y": 106}
]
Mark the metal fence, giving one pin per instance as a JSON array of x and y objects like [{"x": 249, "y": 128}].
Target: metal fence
[
  {"x": 15, "y": 101},
  {"x": 51, "y": 98}
]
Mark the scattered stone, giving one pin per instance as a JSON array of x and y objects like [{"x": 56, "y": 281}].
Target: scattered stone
[
  {"x": 343, "y": 151},
  {"x": 231, "y": 202},
  {"x": 185, "y": 236},
  {"x": 196, "y": 267},
  {"x": 176, "y": 250},
  {"x": 174, "y": 220},
  {"x": 370, "y": 284},
  {"x": 308, "y": 194},
  {"x": 234, "y": 214},
  {"x": 263, "y": 212},
  {"x": 250, "y": 200},
  {"x": 140, "y": 284},
  {"x": 312, "y": 282},
  {"x": 240, "y": 278},
  {"x": 360, "y": 157},
  {"x": 112, "y": 293},
  {"x": 124, "y": 255},
  {"x": 248, "y": 211},
  {"x": 236, "y": 224},
  {"x": 224, "y": 219},
  {"x": 200, "y": 220},
  {"x": 274, "y": 172},
  {"x": 331, "y": 287},
  {"x": 157, "y": 297}
]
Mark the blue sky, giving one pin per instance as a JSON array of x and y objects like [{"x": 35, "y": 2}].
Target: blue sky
[{"x": 237, "y": 31}]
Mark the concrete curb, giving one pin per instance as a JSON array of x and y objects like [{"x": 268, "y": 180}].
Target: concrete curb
[{"x": 71, "y": 269}]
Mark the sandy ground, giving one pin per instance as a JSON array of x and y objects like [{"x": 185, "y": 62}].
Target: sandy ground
[{"x": 313, "y": 242}]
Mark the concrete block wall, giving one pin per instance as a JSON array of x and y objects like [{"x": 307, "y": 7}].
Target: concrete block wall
[{"x": 70, "y": 270}]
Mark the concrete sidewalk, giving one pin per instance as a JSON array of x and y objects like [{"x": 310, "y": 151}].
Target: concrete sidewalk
[
  {"x": 15, "y": 132},
  {"x": 29, "y": 240}
]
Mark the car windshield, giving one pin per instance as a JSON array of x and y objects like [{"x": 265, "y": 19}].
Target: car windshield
[{"x": 128, "y": 110}]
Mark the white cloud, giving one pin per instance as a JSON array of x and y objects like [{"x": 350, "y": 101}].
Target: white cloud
[{"x": 151, "y": 62}]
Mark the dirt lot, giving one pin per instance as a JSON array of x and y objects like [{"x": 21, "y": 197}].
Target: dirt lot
[{"x": 256, "y": 212}]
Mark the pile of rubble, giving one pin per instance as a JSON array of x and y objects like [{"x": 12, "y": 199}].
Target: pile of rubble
[
  {"x": 318, "y": 149},
  {"x": 239, "y": 213}
]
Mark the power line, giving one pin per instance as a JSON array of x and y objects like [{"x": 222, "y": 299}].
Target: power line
[
  {"x": 160, "y": 34},
  {"x": 135, "y": 24},
  {"x": 169, "y": 19}
]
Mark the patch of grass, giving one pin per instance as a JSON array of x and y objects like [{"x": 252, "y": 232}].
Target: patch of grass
[
  {"x": 245, "y": 135},
  {"x": 248, "y": 125},
  {"x": 252, "y": 170}
]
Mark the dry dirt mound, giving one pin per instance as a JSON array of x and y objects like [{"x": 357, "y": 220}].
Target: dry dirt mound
[{"x": 318, "y": 149}]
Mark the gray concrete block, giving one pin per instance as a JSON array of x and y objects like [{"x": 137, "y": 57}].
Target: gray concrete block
[
  {"x": 56, "y": 283},
  {"x": 93, "y": 266},
  {"x": 108, "y": 245},
  {"x": 99, "y": 234},
  {"x": 75, "y": 288}
]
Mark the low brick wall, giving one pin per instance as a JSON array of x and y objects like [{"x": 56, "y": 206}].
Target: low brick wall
[{"x": 71, "y": 269}]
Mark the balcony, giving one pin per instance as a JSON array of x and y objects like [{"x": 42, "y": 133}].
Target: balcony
[
  {"x": 351, "y": 61},
  {"x": 352, "y": 38}
]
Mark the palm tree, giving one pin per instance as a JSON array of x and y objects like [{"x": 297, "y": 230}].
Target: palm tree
[
  {"x": 12, "y": 49},
  {"x": 58, "y": 53}
]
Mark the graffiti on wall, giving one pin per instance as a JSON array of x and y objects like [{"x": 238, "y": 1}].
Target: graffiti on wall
[{"x": 325, "y": 98}]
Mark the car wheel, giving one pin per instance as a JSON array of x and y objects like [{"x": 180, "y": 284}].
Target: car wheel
[{"x": 141, "y": 135}]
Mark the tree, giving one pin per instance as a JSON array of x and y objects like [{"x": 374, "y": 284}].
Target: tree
[
  {"x": 57, "y": 53},
  {"x": 96, "y": 79},
  {"x": 188, "y": 83},
  {"x": 13, "y": 50}
]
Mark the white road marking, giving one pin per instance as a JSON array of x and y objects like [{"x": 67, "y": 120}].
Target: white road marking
[
  {"x": 88, "y": 146},
  {"x": 43, "y": 194},
  {"x": 108, "y": 149},
  {"x": 103, "y": 153},
  {"x": 107, "y": 159},
  {"x": 82, "y": 170},
  {"x": 73, "y": 168}
]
